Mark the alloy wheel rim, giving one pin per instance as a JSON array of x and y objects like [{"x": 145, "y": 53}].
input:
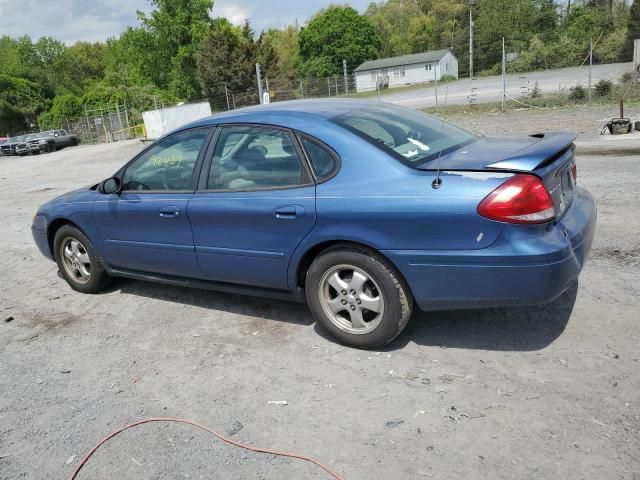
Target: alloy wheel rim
[
  {"x": 351, "y": 299},
  {"x": 76, "y": 261}
]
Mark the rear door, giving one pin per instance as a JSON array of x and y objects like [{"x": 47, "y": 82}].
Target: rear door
[
  {"x": 255, "y": 204},
  {"x": 145, "y": 227}
]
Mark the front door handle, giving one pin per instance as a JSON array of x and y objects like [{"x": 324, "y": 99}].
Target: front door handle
[
  {"x": 288, "y": 212},
  {"x": 169, "y": 212}
]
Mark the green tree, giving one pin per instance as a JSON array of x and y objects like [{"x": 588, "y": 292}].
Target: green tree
[
  {"x": 334, "y": 34},
  {"x": 80, "y": 65},
  {"x": 169, "y": 42},
  {"x": 20, "y": 101},
  {"x": 511, "y": 19},
  {"x": 65, "y": 107},
  {"x": 287, "y": 45},
  {"x": 633, "y": 31},
  {"x": 226, "y": 56},
  {"x": 392, "y": 21}
]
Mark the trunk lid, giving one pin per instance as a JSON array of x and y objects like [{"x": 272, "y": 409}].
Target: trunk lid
[{"x": 549, "y": 156}]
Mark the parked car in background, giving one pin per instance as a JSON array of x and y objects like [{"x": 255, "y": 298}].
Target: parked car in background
[
  {"x": 11, "y": 145},
  {"x": 364, "y": 209},
  {"x": 63, "y": 139},
  {"x": 42, "y": 142}
]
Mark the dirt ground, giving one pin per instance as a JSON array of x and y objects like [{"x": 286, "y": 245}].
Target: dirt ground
[
  {"x": 547, "y": 392},
  {"x": 586, "y": 121}
]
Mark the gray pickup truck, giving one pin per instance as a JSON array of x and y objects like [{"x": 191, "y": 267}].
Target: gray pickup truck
[{"x": 63, "y": 139}]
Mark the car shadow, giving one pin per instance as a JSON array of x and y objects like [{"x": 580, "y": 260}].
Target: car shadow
[
  {"x": 276, "y": 310},
  {"x": 499, "y": 329}
]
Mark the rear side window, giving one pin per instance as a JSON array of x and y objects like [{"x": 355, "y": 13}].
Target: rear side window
[{"x": 322, "y": 161}]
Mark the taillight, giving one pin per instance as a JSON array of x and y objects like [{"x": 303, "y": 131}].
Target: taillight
[
  {"x": 521, "y": 199},
  {"x": 574, "y": 172}
]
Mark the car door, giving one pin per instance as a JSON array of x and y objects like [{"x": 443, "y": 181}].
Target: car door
[
  {"x": 145, "y": 227},
  {"x": 254, "y": 205}
]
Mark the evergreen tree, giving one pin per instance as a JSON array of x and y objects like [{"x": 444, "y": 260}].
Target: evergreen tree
[{"x": 633, "y": 31}]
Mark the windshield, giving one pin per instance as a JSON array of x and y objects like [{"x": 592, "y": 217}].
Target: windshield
[{"x": 408, "y": 135}]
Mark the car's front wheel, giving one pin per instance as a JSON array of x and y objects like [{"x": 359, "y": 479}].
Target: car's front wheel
[
  {"x": 358, "y": 296},
  {"x": 78, "y": 261}
]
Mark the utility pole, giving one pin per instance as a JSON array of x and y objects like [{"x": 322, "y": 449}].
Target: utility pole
[
  {"x": 126, "y": 115},
  {"x": 504, "y": 75},
  {"x": 590, "y": 65},
  {"x": 259, "y": 80},
  {"x": 346, "y": 79},
  {"x": 226, "y": 94},
  {"x": 435, "y": 77},
  {"x": 470, "y": 43}
]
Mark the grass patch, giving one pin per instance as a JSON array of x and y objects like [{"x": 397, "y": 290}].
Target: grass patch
[
  {"x": 549, "y": 101},
  {"x": 390, "y": 91}
]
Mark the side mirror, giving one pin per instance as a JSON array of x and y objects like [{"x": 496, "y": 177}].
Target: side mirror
[{"x": 111, "y": 185}]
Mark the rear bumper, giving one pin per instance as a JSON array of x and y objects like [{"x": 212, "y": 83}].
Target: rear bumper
[{"x": 527, "y": 265}]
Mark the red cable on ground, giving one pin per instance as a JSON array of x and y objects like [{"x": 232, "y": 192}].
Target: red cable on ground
[{"x": 206, "y": 429}]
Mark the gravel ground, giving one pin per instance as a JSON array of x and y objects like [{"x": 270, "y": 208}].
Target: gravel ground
[
  {"x": 547, "y": 392},
  {"x": 586, "y": 121}
]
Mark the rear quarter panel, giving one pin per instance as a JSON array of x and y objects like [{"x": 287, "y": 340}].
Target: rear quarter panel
[{"x": 377, "y": 201}]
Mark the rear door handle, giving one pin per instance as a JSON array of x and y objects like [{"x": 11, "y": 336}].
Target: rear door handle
[
  {"x": 169, "y": 212},
  {"x": 288, "y": 212}
]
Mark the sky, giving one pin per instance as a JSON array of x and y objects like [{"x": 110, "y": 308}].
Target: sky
[{"x": 97, "y": 20}]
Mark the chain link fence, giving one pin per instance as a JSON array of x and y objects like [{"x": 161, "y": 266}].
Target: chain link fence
[{"x": 489, "y": 86}]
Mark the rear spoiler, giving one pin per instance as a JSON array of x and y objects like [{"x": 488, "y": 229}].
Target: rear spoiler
[{"x": 549, "y": 147}]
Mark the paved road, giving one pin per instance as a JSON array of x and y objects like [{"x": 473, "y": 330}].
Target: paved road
[{"x": 489, "y": 89}]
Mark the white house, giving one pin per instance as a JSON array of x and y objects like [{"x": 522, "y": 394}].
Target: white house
[{"x": 406, "y": 70}]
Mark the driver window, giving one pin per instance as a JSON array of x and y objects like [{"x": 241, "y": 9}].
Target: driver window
[
  {"x": 168, "y": 165},
  {"x": 252, "y": 158}
]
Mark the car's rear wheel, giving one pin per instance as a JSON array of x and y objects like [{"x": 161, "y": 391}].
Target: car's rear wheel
[
  {"x": 358, "y": 296},
  {"x": 78, "y": 261}
]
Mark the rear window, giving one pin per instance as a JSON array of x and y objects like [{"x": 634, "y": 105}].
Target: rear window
[{"x": 410, "y": 136}]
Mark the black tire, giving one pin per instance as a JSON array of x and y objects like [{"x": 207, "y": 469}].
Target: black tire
[
  {"x": 51, "y": 147},
  {"x": 386, "y": 282},
  {"x": 98, "y": 278}
]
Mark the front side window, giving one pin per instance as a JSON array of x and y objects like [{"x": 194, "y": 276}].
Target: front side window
[
  {"x": 254, "y": 158},
  {"x": 168, "y": 165},
  {"x": 410, "y": 136}
]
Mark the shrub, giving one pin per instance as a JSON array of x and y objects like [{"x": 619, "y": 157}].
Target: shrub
[
  {"x": 535, "y": 91},
  {"x": 603, "y": 88},
  {"x": 447, "y": 78},
  {"x": 626, "y": 77},
  {"x": 577, "y": 93}
]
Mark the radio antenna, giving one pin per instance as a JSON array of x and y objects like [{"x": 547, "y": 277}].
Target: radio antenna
[{"x": 437, "y": 182}]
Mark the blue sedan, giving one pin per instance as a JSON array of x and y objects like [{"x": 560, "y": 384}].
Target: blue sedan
[{"x": 362, "y": 209}]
